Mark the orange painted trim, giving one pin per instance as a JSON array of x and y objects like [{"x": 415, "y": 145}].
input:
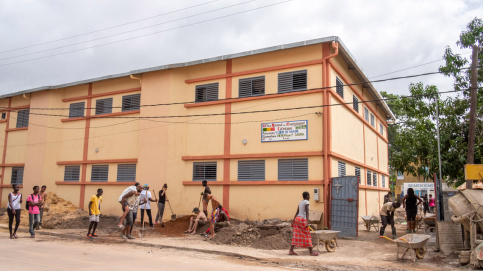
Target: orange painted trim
[
  {"x": 105, "y": 161},
  {"x": 227, "y": 137},
  {"x": 352, "y": 161},
  {"x": 365, "y": 192},
  {"x": 16, "y": 129},
  {"x": 253, "y": 155},
  {"x": 13, "y": 165},
  {"x": 4, "y": 155},
  {"x": 274, "y": 68},
  {"x": 4, "y": 120},
  {"x": 90, "y": 95},
  {"x": 94, "y": 183},
  {"x": 14, "y": 108},
  {"x": 9, "y": 186},
  {"x": 373, "y": 188},
  {"x": 103, "y": 115},
  {"x": 242, "y": 183}
]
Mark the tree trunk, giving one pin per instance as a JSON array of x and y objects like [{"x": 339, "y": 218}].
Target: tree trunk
[{"x": 473, "y": 91}]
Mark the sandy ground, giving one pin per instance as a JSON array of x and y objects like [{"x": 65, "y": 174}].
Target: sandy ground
[{"x": 367, "y": 252}]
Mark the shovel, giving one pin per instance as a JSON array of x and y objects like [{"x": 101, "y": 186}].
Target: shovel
[{"x": 173, "y": 216}]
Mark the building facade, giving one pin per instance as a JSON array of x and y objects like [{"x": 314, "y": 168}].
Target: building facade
[{"x": 261, "y": 127}]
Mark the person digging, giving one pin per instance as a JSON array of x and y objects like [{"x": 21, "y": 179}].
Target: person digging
[
  {"x": 301, "y": 234},
  {"x": 387, "y": 217}
]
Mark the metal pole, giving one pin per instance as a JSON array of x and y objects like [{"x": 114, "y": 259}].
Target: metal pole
[{"x": 438, "y": 196}]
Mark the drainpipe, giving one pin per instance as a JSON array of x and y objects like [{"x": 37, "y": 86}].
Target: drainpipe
[
  {"x": 326, "y": 112},
  {"x": 137, "y": 78}
]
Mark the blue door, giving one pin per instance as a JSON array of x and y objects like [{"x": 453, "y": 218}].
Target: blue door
[{"x": 344, "y": 204}]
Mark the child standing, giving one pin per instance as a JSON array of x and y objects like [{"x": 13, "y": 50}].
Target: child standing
[
  {"x": 94, "y": 213},
  {"x": 34, "y": 201}
]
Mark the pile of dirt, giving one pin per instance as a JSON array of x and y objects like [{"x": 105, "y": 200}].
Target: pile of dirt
[
  {"x": 268, "y": 234},
  {"x": 174, "y": 228}
]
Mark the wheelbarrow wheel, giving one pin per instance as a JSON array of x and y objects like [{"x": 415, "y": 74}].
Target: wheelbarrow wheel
[
  {"x": 420, "y": 252},
  {"x": 330, "y": 245}
]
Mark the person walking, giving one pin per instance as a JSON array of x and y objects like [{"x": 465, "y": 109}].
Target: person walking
[
  {"x": 387, "y": 217},
  {"x": 34, "y": 201},
  {"x": 94, "y": 213},
  {"x": 43, "y": 195},
  {"x": 146, "y": 196},
  {"x": 13, "y": 210},
  {"x": 431, "y": 204},
  {"x": 301, "y": 234},
  {"x": 410, "y": 203},
  {"x": 425, "y": 204},
  {"x": 161, "y": 203}
]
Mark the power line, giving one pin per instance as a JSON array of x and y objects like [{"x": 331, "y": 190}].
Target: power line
[
  {"x": 107, "y": 28},
  {"x": 153, "y": 33},
  {"x": 125, "y": 32}
]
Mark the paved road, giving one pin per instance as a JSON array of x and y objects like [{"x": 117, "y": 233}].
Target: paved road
[{"x": 46, "y": 253}]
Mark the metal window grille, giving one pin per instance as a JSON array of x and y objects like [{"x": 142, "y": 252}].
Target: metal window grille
[
  {"x": 126, "y": 172},
  {"x": 71, "y": 173},
  {"x": 366, "y": 114},
  {"x": 206, "y": 93},
  {"x": 374, "y": 179},
  {"x": 383, "y": 181},
  {"x": 292, "y": 81},
  {"x": 293, "y": 169},
  {"x": 76, "y": 110},
  {"x": 372, "y": 120},
  {"x": 358, "y": 174},
  {"x": 341, "y": 166},
  {"x": 339, "y": 87},
  {"x": 355, "y": 103},
  {"x": 104, "y": 106},
  {"x": 17, "y": 175},
  {"x": 99, "y": 173},
  {"x": 369, "y": 178},
  {"x": 253, "y": 86},
  {"x": 204, "y": 171},
  {"x": 23, "y": 118},
  {"x": 382, "y": 128},
  {"x": 251, "y": 170},
  {"x": 131, "y": 102},
  {"x": 4, "y": 115}
]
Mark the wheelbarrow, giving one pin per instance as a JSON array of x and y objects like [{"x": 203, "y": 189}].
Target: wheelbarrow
[
  {"x": 327, "y": 238},
  {"x": 414, "y": 242},
  {"x": 371, "y": 222}
]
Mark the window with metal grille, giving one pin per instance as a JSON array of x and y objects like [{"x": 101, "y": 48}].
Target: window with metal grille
[
  {"x": 339, "y": 87},
  {"x": 4, "y": 115},
  {"x": 369, "y": 177},
  {"x": 374, "y": 179},
  {"x": 131, "y": 102},
  {"x": 372, "y": 121},
  {"x": 23, "y": 118},
  {"x": 383, "y": 181},
  {"x": 292, "y": 81},
  {"x": 206, "y": 93},
  {"x": 293, "y": 169},
  {"x": 76, "y": 110},
  {"x": 341, "y": 166},
  {"x": 355, "y": 103},
  {"x": 382, "y": 128},
  {"x": 358, "y": 174},
  {"x": 71, "y": 173},
  {"x": 126, "y": 172},
  {"x": 204, "y": 171},
  {"x": 253, "y": 86},
  {"x": 103, "y": 106},
  {"x": 251, "y": 170},
  {"x": 366, "y": 114},
  {"x": 17, "y": 175},
  {"x": 99, "y": 173}
]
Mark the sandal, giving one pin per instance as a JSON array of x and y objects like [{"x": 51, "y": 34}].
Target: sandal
[
  {"x": 292, "y": 253},
  {"x": 94, "y": 235},
  {"x": 15, "y": 235},
  {"x": 314, "y": 254}
]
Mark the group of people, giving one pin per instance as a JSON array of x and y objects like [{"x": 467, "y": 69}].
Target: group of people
[{"x": 34, "y": 204}]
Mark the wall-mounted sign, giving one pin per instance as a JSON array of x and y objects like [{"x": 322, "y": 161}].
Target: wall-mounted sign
[{"x": 284, "y": 131}]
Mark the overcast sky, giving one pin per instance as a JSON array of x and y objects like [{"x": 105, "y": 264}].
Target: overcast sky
[{"x": 384, "y": 36}]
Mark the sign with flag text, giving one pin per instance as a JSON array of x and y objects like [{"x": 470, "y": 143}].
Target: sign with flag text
[{"x": 284, "y": 131}]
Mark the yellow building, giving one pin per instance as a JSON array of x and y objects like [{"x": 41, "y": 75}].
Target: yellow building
[{"x": 261, "y": 126}]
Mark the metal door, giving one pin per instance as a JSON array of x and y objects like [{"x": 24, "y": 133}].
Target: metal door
[{"x": 344, "y": 205}]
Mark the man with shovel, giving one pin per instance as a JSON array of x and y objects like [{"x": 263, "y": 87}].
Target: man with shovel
[
  {"x": 387, "y": 217},
  {"x": 146, "y": 196},
  {"x": 161, "y": 202}
]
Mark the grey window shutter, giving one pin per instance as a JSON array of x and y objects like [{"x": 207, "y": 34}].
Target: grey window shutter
[
  {"x": 341, "y": 167},
  {"x": 251, "y": 170},
  {"x": 382, "y": 128},
  {"x": 251, "y": 86},
  {"x": 368, "y": 177},
  {"x": 366, "y": 114},
  {"x": 293, "y": 169},
  {"x": 374, "y": 179},
  {"x": 292, "y": 81},
  {"x": 99, "y": 173},
  {"x": 126, "y": 172},
  {"x": 76, "y": 110},
  {"x": 17, "y": 175},
  {"x": 71, "y": 173},
  {"x": 383, "y": 181},
  {"x": 207, "y": 92},
  {"x": 104, "y": 106},
  {"x": 23, "y": 118},
  {"x": 355, "y": 103},
  {"x": 339, "y": 87},
  {"x": 204, "y": 171},
  {"x": 358, "y": 174},
  {"x": 372, "y": 120},
  {"x": 131, "y": 102}
]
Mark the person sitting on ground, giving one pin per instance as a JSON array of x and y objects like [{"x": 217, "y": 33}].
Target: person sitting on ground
[
  {"x": 301, "y": 233},
  {"x": 13, "y": 210},
  {"x": 205, "y": 194},
  {"x": 125, "y": 208},
  {"x": 131, "y": 201},
  {"x": 218, "y": 217},
  {"x": 195, "y": 221},
  {"x": 43, "y": 195},
  {"x": 94, "y": 212},
  {"x": 410, "y": 203},
  {"x": 146, "y": 196},
  {"x": 387, "y": 217}
]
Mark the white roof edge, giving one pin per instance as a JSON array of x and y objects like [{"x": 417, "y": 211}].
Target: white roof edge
[{"x": 213, "y": 59}]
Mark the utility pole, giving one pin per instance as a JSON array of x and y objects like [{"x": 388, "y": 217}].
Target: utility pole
[{"x": 472, "y": 128}]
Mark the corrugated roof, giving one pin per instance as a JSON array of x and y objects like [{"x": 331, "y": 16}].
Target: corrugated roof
[{"x": 343, "y": 51}]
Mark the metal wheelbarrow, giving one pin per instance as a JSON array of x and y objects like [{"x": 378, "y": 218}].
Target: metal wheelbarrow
[
  {"x": 327, "y": 238},
  {"x": 371, "y": 221},
  {"x": 414, "y": 242}
]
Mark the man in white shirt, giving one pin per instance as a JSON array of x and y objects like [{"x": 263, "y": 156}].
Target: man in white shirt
[
  {"x": 146, "y": 196},
  {"x": 387, "y": 217}
]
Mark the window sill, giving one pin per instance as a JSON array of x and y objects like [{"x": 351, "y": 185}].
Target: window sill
[
  {"x": 197, "y": 183},
  {"x": 9, "y": 185},
  {"x": 103, "y": 115},
  {"x": 17, "y": 129},
  {"x": 95, "y": 183}
]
